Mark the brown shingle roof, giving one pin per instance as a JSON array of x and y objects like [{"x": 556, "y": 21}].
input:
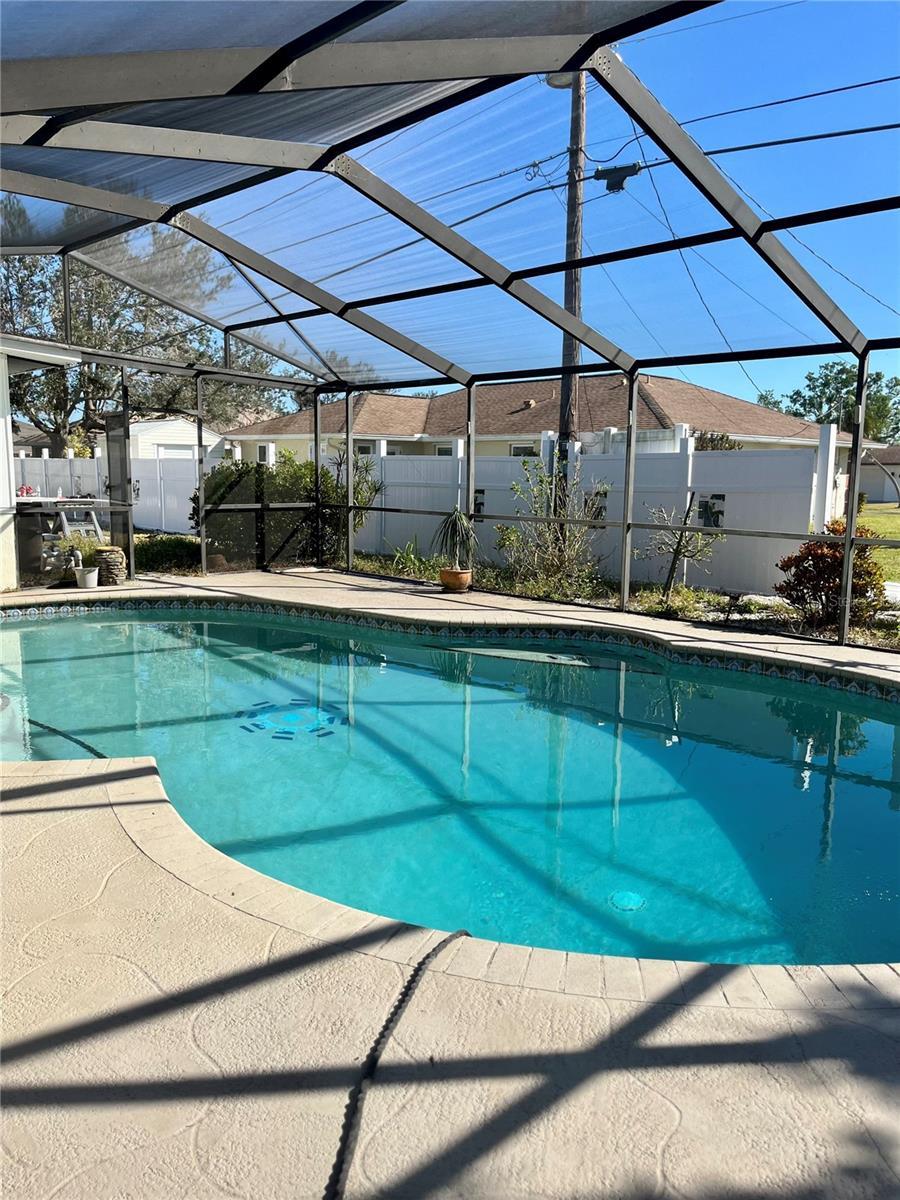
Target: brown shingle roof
[
  {"x": 702, "y": 408},
  {"x": 888, "y": 456},
  {"x": 373, "y": 413},
  {"x": 528, "y": 408}
]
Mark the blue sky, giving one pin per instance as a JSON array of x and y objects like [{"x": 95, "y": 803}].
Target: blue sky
[
  {"x": 651, "y": 307},
  {"x": 729, "y": 56}
]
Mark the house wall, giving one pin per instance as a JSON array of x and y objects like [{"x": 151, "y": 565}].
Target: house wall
[
  {"x": 877, "y": 486},
  {"x": 170, "y": 438},
  {"x": 302, "y": 446}
]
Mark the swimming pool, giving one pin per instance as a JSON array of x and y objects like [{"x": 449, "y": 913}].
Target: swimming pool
[{"x": 564, "y": 795}]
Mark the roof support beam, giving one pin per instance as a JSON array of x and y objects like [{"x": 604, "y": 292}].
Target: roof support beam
[
  {"x": 466, "y": 252},
  {"x": 259, "y": 151},
  {"x": 285, "y": 57},
  {"x": 669, "y": 245},
  {"x": 329, "y": 372},
  {"x": 240, "y": 253},
  {"x": 204, "y": 318},
  {"x": 100, "y": 199},
  {"x": 638, "y": 22},
  {"x": 71, "y": 193},
  {"x": 114, "y": 137},
  {"x": 93, "y": 135},
  {"x": 115, "y": 79},
  {"x": 628, "y": 91}
]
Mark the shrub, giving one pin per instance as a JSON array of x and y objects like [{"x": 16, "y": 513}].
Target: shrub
[
  {"x": 281, "y": 537},
  {"x": 407, "y": 561},
  {"x": 545, "y": 558},
  {"x": 705, "y": 439},
  {"x": 86, "y": 546},
  {"x": 166, "y": 552},
  {"x": 812, "y": 583}
]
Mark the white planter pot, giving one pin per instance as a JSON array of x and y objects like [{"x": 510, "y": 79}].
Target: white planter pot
[{"x": 86, "y": 577}]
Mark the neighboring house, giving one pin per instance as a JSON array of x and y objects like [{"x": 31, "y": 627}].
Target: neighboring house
[
  {"x": 28, "y": 439},
  {"x": 172, "y": 437},
  {"x": 163, "y": 437},
  {"x": 874, "y": 482},
  {"x": 511, "y": 417}
]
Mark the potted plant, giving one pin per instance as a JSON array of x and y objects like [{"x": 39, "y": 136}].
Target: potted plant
[
  {"x": 456, "y": 542},
  {"x": 83, "y": 557}
]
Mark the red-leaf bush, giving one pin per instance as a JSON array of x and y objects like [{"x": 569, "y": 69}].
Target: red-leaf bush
[{"x": 812, "y": 582}]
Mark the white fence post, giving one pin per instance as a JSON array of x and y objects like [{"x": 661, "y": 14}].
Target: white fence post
[
  {"x": 548, "y": 445},
  {"x": 824, "y": 485},
  {"x": 160, "y": 491},
  {"x": 459, "y": 453}
]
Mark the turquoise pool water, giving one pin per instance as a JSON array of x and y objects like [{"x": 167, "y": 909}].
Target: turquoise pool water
[{"x": 608, "y": 801}]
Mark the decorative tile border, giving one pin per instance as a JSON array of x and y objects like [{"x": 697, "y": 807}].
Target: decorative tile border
[{"x": 855, "y": 681}]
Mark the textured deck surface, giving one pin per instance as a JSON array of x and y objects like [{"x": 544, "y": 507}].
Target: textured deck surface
[
  {"x": 178, "y": 1026},
  {"x": 169, "y": 1032}
]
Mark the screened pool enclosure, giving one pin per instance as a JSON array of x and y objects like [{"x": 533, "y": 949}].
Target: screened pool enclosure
[{"x": 431, "y": 193}]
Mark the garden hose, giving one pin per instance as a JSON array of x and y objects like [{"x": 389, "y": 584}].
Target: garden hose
[{"x": 334, "y": 1189}]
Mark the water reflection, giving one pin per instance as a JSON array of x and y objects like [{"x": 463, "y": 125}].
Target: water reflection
[{"x": 525, "y": 787}]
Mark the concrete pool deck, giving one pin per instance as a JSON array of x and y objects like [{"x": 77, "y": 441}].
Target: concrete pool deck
[{"x": 177, "y": 1025}]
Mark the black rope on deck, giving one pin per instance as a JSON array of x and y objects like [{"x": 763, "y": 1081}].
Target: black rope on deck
[{"x": 334, "y": 1189}]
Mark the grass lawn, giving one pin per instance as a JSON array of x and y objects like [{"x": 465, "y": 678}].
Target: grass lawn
[{"x": 885, "y": 520}]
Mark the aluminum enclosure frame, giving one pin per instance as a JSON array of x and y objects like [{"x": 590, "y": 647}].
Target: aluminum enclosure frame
[{"x": 280, "y": 157}]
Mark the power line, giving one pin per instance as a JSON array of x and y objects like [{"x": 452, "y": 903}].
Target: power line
[
  {"x": 734, "y": 283},
  {"x": 757, "y": 12},
  {"x": 640, "y": 320},
  {"x": 690, "y": 276},
  {"x": 849, "y": 279},
  {"x": 549, "y": 158},
  {"x": 380, "y": 146},
  {"x": 823, "y": 135}
]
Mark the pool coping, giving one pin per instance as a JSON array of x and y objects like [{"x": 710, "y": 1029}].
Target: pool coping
[
  {"x": 162, "y": 835},
  {"x": 862, "y": 679},
  {"x": 137, "y": 797}
]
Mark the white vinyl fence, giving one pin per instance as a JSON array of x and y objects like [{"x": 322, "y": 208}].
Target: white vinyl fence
[
  {"x": 162, "y": 486},
  {"x": 749, "y": 489},
  {"x": 770, "y": 490}
]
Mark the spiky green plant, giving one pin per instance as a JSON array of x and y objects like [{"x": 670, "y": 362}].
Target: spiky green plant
[{"x": 455, "y": 540}]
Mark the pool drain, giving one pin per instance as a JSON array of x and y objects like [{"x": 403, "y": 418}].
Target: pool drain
[
  {"x": 627, "y": 901},
  {"x": 283, "y": 722}
]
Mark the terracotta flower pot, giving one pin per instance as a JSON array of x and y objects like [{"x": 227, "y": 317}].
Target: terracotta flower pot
[{"x": 455, "y": 581}]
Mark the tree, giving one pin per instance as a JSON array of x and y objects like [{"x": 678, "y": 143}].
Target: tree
[
  {"x": 705, "y": 439},
  {"x": 109, "y": 315},
  {"x": 829, "y": 396},
  {"x": 812, "y": 580},
  {"x": 676, "y": 544}
]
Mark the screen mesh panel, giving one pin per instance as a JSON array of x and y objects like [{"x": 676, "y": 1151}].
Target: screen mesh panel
[
  {"x": 27, "y": 222},
  {"x": 87, "y": 27}
]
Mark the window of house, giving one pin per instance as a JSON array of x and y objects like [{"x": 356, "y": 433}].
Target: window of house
[
  {"x": 363, "y": 447},
  {"x": 262, "y": 453},
  {"x": 522, "y": 450},
  {"x": 444, "y": 451}
]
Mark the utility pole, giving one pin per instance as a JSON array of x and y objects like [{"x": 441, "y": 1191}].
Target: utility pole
[{"x": 571, "y": 349}]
